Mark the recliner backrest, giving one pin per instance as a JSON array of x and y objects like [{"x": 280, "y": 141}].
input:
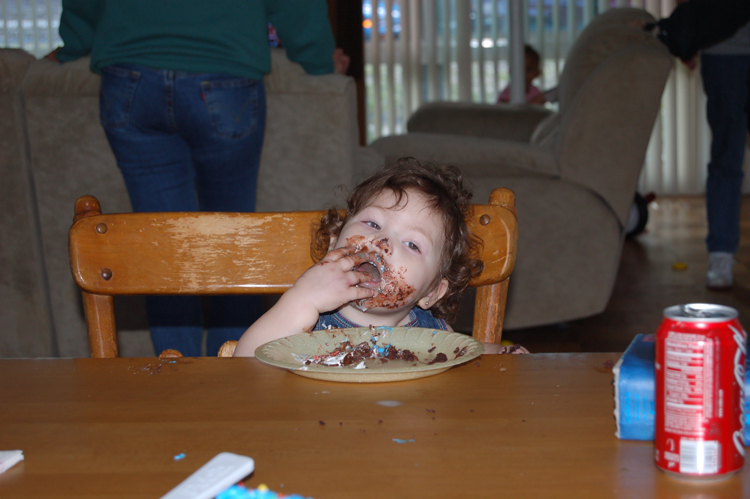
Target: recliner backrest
[
  {"x": 603, "y": 36},
  {"x": 606, "y": 127}
]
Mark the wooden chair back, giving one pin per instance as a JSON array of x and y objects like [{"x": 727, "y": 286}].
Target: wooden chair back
[{"x": 240, "y": 253}]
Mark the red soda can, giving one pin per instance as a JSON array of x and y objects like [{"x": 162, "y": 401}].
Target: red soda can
[{"x": 700, "y": 373}]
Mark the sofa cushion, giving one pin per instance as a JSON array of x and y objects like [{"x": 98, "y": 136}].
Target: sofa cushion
[
  {"x": 75, "y": 78},
  {"x": 72, "y": 79},
  {"x": 13, "y": 65},
  {"x": 288, "y": 77},
  {"x": 547, "y": 133},
  {"x": 25, "y": 319}
]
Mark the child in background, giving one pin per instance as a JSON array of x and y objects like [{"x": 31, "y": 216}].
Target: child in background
[
  {"x": 532, "y": 71},
  {"x": 400, "y": 256}
]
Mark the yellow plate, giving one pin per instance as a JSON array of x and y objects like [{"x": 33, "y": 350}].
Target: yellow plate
[{"x": 424, "y": 343}]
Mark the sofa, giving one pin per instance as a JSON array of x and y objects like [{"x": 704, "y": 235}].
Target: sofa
[
  {"x": 53, "y": 150},
  {"x": 574, "y": 170}
]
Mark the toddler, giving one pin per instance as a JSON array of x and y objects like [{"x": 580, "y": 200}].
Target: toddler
[
  {"x": 532, "y": 60},
  {"x": 400, "y": 256}
]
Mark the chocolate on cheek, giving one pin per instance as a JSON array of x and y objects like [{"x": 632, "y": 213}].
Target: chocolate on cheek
[
  {"x": 356, "y": 241},
  {"x": 394, "y": 291}
]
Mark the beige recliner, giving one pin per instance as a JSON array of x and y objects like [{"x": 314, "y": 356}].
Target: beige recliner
[{"x": 574, "y": 172}]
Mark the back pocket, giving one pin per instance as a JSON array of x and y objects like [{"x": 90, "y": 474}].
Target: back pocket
[
  {"x": 118, "y": 86},
  {"x": 232, "y": 106}
]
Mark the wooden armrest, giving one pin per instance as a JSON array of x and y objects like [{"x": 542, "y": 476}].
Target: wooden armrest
[
  {"x": 227, "y": 349},
  {"x": 170, "y": 353}
]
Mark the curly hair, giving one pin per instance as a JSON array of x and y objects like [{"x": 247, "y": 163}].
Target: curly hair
[{"x": 447, "y": 196}]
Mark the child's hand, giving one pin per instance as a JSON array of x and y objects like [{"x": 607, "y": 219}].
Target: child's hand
[
  {"x": 52, "y": 56},
  {"x": 494, "y": 348},
  {"x": 325, "y": 286},
  {"x": 332, "y": 282},
  {"x": 340, "y": 61}
]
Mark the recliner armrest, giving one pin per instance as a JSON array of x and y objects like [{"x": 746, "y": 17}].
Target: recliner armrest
[{"x": 498, "y": 121}]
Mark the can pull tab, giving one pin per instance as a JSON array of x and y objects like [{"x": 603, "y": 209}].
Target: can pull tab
[{"x": 700, "y": 311}]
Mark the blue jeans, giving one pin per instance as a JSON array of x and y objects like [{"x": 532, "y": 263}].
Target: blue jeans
[
  {"x": 187, "y": 142},
  {"x": 726, "y": 80}
]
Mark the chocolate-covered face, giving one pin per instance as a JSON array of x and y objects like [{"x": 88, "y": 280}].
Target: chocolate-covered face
[
  {"x": 407, "y": 240},
  {"x": 393, "y": 290}
]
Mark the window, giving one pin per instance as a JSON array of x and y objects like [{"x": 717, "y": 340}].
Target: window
[{"x": 31, "y": 25}]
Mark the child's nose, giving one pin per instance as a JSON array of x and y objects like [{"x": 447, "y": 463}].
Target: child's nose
[{"x": 382, "y": 243}]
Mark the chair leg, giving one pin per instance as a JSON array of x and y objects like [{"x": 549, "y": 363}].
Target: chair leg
[
  {"x": 489, "y": 312},
  {"x": 100, "y": 321}
]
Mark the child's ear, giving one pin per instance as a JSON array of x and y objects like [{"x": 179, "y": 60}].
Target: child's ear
[
  {"x": 332, "y": 243},
  {"x": 335, "y": 238},
  {"x": 433, "y": 296}
]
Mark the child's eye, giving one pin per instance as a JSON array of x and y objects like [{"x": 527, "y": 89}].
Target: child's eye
[
  {"x": 412, "y": 246},
  {"x": 373, "y": 225}
]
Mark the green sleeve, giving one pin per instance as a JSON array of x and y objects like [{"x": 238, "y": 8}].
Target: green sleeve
[
  {"x": 305, "y": 31},
  {"x": 78, "y": 27}
]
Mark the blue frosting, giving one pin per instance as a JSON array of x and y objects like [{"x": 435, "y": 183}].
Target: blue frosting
[{"x": 262, "y": 492}]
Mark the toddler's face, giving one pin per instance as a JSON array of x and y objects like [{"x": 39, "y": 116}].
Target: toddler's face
[
  {"x": 532, "y": 69},
  {"x": 408, "y": 240}
]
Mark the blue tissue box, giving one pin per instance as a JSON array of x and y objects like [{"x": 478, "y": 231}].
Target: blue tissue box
[{"x": 635, "y": 386}]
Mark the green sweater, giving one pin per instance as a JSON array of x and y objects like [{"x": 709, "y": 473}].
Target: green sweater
[{"x": 197, "y": 36}]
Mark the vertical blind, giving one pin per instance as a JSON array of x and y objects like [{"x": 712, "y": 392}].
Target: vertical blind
[{"x": 30, "y": 24}]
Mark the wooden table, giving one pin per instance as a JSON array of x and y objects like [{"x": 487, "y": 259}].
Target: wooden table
[{"x": 537, "y": 426}]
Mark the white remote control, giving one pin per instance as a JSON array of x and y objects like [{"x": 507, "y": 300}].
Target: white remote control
[{"x": 221, "y": 472}]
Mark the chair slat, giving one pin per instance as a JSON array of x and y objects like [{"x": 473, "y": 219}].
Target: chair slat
[
  {"x": 191, "y": 253},
  {"x": 228, "y": 253}
]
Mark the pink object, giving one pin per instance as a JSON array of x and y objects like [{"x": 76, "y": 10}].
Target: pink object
[{"x": 532, "y": 93}]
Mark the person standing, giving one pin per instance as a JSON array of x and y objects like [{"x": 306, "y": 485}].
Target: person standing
[
  {"x": 183, "y": 106},
  {"x": 532, "y": 70},
  {"x": 721, "y": 30},
  {"x": 725, "y": 69}
]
